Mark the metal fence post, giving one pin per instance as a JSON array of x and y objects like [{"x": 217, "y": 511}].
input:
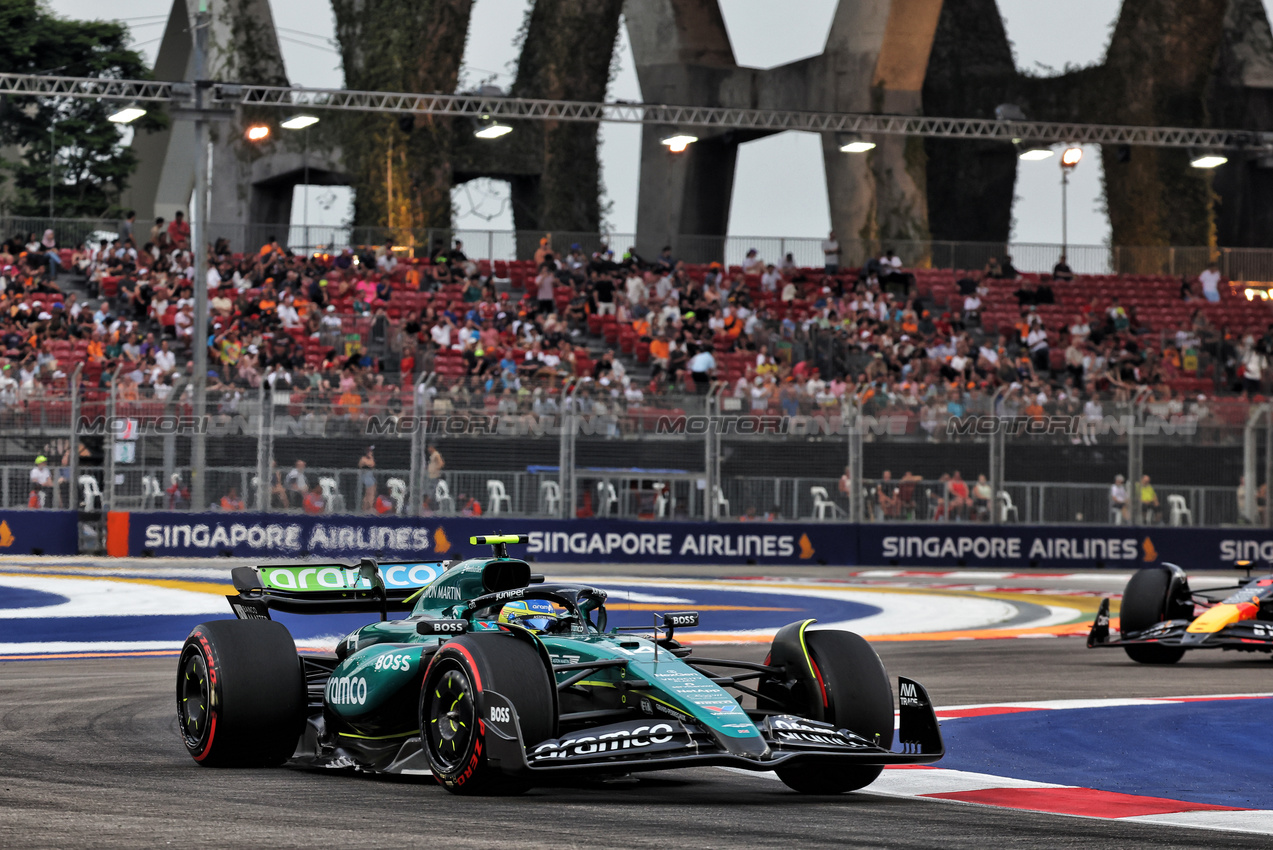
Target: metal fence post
[
  {"x": 73, "y": 442},
  {"x": 1267, "y": 411},
  {"x": 419, "y": 445},
  {"x": 1247, "y": 510},
  {"x": 857, "y": 489},
  {"x": 108, "y": 495},
  {"x": 264, "y": 446},
  {"x": 566, "y": 480}
]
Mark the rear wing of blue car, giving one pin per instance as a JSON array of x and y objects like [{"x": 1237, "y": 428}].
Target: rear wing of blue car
[{"x": 330, "y": 588}]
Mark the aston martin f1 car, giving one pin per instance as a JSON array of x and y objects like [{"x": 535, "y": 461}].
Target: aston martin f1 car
[
  {"x": 1161, "y": 617},
  {"x": 496, "y": 679}
]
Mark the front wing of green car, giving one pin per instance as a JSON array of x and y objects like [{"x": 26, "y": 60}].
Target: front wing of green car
[{"x": 660, "y": 743}]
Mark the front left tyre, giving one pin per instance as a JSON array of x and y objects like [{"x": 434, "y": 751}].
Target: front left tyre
[{"x": 241, "y": 698}]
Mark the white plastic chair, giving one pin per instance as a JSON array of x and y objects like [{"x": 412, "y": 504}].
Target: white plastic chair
[
  {"x": 607, "y": 499},
  {"x": 150, "y": 491},
  {"x": 550, "y": 497},
  {"x": 1006, "y": 507},
  {"x": 332, "y": 499},
  {"x": 442, "y": 495},
  {"x": 92, "y": 492},
  {"x": 1179, "y": 511},
  {"x": 822, "y": 504},
  {"x": 722, "y": 504},
  {"x": 397, "y": 492},
  {"x": 496, "y": 495}
]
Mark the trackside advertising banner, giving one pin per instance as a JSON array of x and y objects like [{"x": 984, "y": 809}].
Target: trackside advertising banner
[
  {"x": 37, "y": 532},
  {"x": 246, "y": 535},
  {"x": 1058, "y": 546},
  {"x": 255, "y": 536}
]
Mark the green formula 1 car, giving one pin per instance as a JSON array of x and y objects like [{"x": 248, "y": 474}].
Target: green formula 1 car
[{"x": 496, "y": 679}]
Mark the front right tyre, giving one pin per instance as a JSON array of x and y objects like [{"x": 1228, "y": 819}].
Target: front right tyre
[{"x": 856, "y": 695}]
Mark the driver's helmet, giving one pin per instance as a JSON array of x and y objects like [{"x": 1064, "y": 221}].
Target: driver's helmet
[{"x": 534, "y": 614}]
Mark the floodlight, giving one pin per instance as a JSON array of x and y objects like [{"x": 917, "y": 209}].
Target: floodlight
[
  {"x": 1208, "y": 160},
  {"x": 679, "y": 142},
  {"x": 257, "y": 133},
  {"x": 493, "y": 130},
  {"x": 1035, "y": 154},
  {"x": 1071, "y": 157},
  {"x": 858, "y": 146},
  {"x": 127, "y": 115},
  {"x": 299, "y": 122}
]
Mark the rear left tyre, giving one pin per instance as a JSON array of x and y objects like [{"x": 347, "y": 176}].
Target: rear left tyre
[
  {"x": 241, "y": 698},
  {"x": 452, "y": 709},
  {"x": 856, "y": 695}
]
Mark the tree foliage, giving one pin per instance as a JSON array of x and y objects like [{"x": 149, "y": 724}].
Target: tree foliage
[{"x": 90, "y": 166}]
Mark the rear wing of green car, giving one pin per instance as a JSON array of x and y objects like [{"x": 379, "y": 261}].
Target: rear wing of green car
[{"x": 330, "y": 588}]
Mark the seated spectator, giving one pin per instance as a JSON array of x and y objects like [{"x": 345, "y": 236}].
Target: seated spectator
[{"x": 1062, "y": 271}]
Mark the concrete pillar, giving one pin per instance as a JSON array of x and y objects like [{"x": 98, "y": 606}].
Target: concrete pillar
[{"x": 875, "y": 61}]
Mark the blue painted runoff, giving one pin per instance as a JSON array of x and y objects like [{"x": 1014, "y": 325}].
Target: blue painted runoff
[{"x": 1217, "y": 752}]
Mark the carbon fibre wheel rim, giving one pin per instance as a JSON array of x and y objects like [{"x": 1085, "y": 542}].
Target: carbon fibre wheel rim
[
  {"x": 194, "y": 698},
  {"x": 452, "y": 718}
]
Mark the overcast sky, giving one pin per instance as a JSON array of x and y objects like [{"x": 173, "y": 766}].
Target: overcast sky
[{"x": 779, "y": 188}]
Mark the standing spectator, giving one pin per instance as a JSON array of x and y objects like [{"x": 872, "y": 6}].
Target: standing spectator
[
  {"x": 846, "y": 485},
  {"x": 367, "y": 479},
  {"x": 983, "y": 499},
  {"x": 126, "y": 230},
  {"x": 436, "y": 463},
  {"x": 1148, "y": 502},
  {"x": 544, "y": 288},
  {"x": 179, "y": 231},
  {"x": 957, "y": 490},
  {"x": 831, "y": 253},
  {"x": 889, "y": 505},
  {"x": 701, "y": 366},
  {"x": 41, "y": 482},
  {"x": 1118, "y": 501},
  {"x": 297, "y": 484},
  {"x": 604, "y": 289},
  {"x": 1210, "y": 280},
  {"x": 159, "y": 234},
  {"x": 1253, "y": 365}
]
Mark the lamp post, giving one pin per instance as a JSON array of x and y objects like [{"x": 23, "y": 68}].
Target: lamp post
[
  {"x": 1069, "y": 159},
  {"x": 303, "y": 122},
  {"x": 52, "y": 163}
]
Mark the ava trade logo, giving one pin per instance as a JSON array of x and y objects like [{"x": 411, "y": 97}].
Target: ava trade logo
[
  {"x": 806, "y": 548},
  {"x": 1151, "y": 554},
  {"x": 6, "y": 535},
  {"x": 440, "y": 544}
]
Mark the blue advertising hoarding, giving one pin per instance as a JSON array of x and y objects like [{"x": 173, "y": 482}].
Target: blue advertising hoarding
[
  {"x": 255, "y": 536},
  {"x": 247, "y": 535},
  {"x": 39, "y": 532}
]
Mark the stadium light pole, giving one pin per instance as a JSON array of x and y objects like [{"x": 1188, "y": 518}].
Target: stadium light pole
[
  {"x": 198, "y": 236},
  {"x": 303, "y": 123},
  {"x": 1069, "y": 159}
]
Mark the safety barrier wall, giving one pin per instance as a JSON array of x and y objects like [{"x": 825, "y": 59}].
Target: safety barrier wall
[
  {"x": 38, "y": 532},
  {"x": 247, "y": 535}
]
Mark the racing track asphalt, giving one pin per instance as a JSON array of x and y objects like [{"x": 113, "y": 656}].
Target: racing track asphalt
[{"x": 89, "y": 757}]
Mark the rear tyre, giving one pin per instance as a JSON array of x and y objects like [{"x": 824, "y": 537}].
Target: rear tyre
[
  {"x": 856, "y": 695},
  {"x": 1146, "y": 601},
  {"x": 452, "y": 708},
  {"x": 241, "y": 697}
]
